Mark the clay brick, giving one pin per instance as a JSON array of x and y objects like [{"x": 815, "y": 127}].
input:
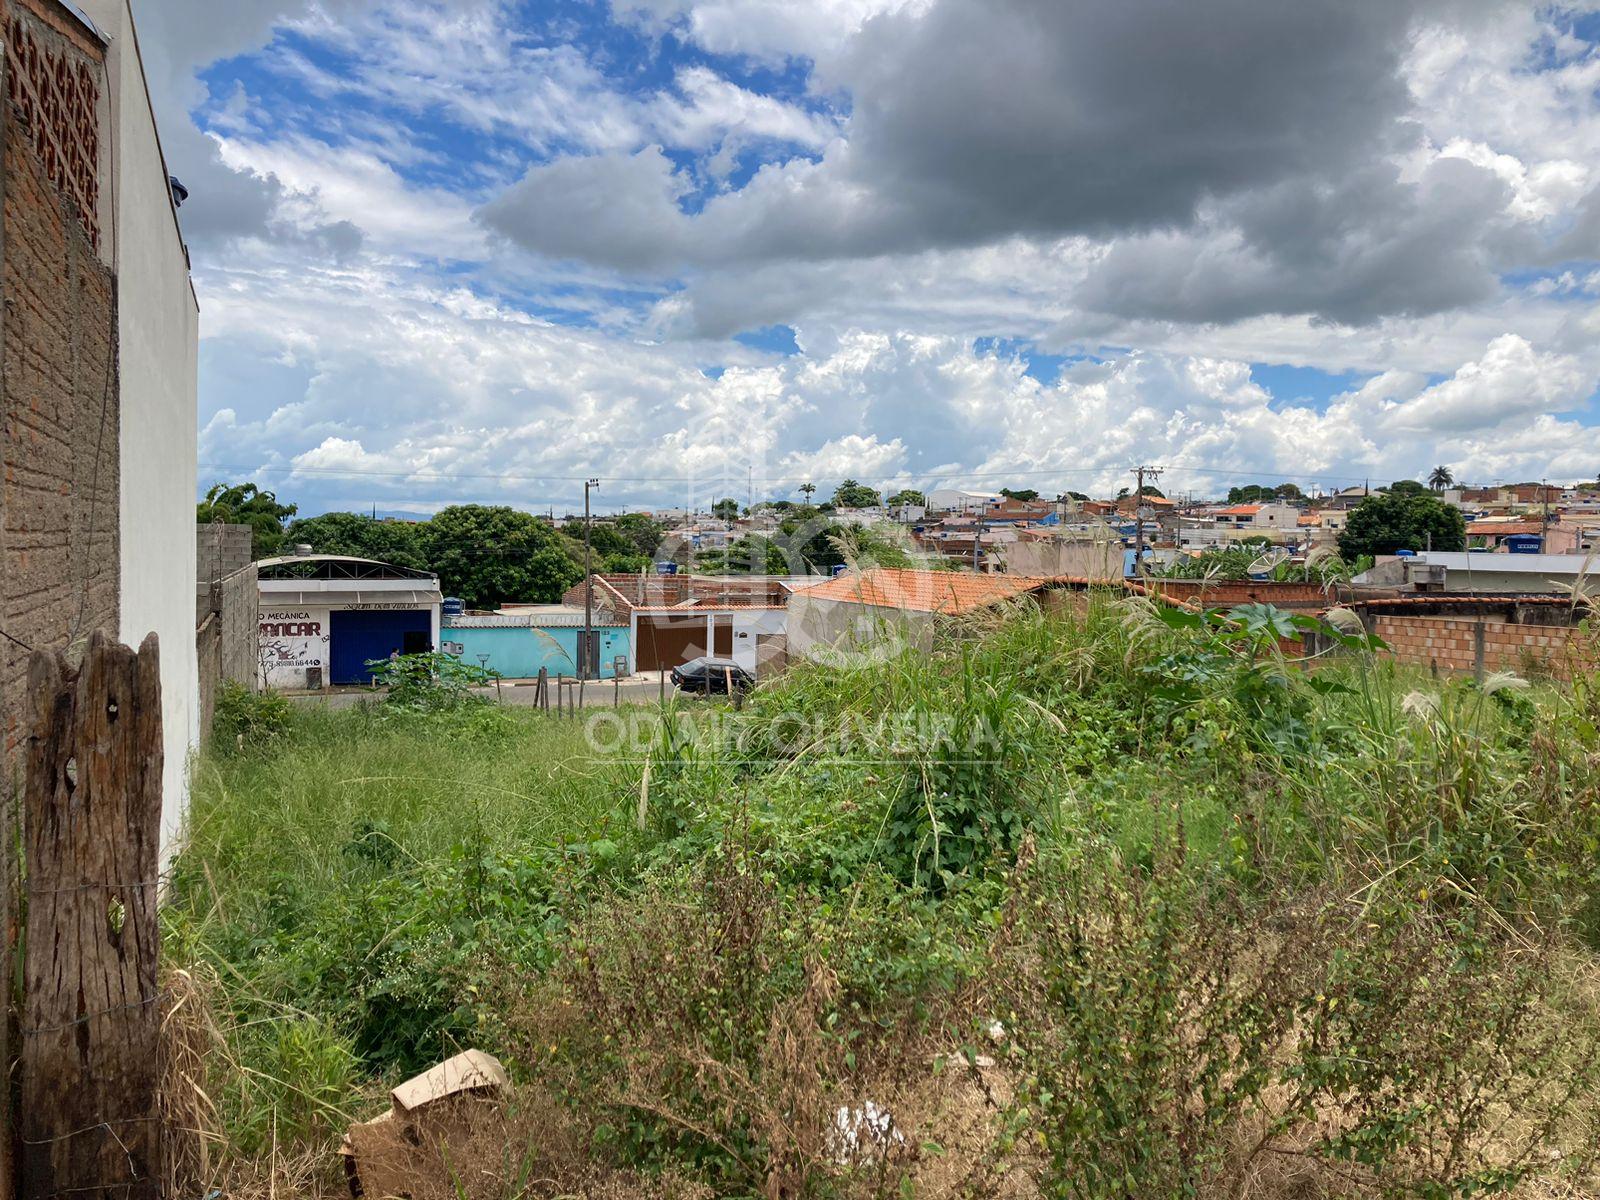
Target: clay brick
[{"x": 60, "y": 417}]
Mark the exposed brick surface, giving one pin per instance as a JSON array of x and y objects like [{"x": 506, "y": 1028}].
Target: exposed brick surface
[
  {"x": 1450, "y": 644},
  {"x": 59, "y": 427},
  {"x": 1229, "y": 593}
]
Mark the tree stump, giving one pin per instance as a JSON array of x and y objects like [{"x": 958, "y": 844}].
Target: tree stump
[{"x": 91, "y": 1012}]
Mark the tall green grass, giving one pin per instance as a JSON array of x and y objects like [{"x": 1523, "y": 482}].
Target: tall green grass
[{"x": 371, "y": 890}]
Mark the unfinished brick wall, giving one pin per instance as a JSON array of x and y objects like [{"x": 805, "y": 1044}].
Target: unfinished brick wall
[
  {"x": 59, "y": 425},
  {"x": 228, "y": 638},
  {"x": 1231, "y": 593},
  {"x": 1450, "y": 643}
]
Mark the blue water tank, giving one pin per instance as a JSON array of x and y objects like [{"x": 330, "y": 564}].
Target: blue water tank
[
  {"x": 1524, "y": 543},
  {"x": 1405, "y": 553},
  {"x": 453, "y": 606},
  {"x": 666, "y": 568}
]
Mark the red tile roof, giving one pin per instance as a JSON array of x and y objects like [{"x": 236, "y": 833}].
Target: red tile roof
[
  {"x": 947, "y": 592},
  {"x": 1239, "y": 510}
]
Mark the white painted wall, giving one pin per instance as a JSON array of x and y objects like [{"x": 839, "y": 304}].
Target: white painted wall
[
  {"x": 158, "y": 325},
  {"x": 292, "y": 640}
]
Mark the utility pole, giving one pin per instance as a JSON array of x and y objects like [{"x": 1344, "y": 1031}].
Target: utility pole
[
  {"x": 588, "y": 584},
  {"x": 1138, "y": 521},
  {"x": 1544, "y": 521}
]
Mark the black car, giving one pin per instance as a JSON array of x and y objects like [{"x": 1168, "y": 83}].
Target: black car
[{"x": 712, "y": 676}]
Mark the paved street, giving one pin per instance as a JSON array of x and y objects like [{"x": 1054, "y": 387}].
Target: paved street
[{"x": 644, "y": 688}]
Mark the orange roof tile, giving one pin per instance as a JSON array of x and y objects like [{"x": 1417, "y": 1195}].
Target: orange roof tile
[
  {"x": 1239, "y": 510},
  {"x": 948, "y": 592},
  {"x": 1504, "y": 527}
]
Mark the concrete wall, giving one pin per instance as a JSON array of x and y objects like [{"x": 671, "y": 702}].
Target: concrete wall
[
  {"x": 158, "y": 326},
  {"x": 518, "y": 652},
  {"x": 59, "y": 415},
  {"x": 840, "y": 632},
  {"x": 293, "y": 639},
  {"x": 220, "y": 550},
  {"x": 1078, "y": 558}
]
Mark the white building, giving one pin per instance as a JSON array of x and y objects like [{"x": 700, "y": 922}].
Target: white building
[
  {"x": 1485, "y": 573},
  {"x": 956, "y": 500},
  {"x": 158, "y": 331},
  {"x": 326, "y": 617}
]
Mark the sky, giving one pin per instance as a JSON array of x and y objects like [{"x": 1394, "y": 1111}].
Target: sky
[{"x": 482, "y": 250}]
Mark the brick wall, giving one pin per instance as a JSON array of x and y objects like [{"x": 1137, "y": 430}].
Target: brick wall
[
  {"x": 227, "y": 638},
  {"x": 1449, "y": 643},
  {"x": 1227, "y": 594},
  {"x": 59, "y": 426}
]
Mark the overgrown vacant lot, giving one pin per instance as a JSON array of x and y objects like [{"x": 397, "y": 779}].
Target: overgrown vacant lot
[{"x": 1109, "y": 905}]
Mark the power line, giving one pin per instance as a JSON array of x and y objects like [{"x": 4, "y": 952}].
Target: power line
[{"x": 983, "y": 473}]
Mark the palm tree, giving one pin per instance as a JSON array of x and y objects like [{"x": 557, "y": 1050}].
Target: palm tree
[
  {"x": 807, "y": 490},
  {"x": 1440, "y": 478}
]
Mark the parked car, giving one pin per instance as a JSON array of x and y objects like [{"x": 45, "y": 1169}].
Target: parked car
[{"x": 711, "y": 676}]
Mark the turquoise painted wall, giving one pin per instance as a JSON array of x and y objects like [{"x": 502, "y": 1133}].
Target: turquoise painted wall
[{"x": 518, "y": 653}]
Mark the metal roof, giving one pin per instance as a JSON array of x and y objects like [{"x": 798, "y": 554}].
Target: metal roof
[
  {"x": 337, "y": 566},
  {"x": 313, "y": 593}
]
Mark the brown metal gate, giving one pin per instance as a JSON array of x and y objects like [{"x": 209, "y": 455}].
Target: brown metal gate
[{"x": 666, "y": 642}]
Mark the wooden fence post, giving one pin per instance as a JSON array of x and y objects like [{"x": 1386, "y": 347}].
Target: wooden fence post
[{"x": 91, "y": 1011}]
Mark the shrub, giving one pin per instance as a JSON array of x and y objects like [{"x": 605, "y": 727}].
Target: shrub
[{"x": 247, "y": 720}]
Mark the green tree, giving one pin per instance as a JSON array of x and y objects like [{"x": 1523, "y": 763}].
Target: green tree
[
  {"x": 1288, "y": 491},
  {"x": 726, "y": 509},
  {"x": 1250, "y": 493},
  {"x": 1393, "y": 521},
  {"x": 1406, "y": 487},
  {"x": 1440, "y": 478},
  {"x": 359, "y": 536},
  {"x": 246, "y": 504},
  {"x": 908, "y": 496},
  {"x": 485, "y": 554},
  {"x": 808, "y": 490},
  {"x": 643, "y": 530},
  {"x": 851, "y": 494},
  {"x": 753, "y": 555},
  {"x": 1080, "y": 497},
  {"x": 550, "y": 573},
  {"x": 1025, "y": 495}
]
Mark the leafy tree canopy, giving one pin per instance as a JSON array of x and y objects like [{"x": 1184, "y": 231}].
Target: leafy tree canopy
[
  {"x": 851, "y": 494},
  {"x": 1078, "y": 496},
  {"x": 643, "y": 530},
  {"x": 246, "y": 504},
  {"x": 1404, "y": 520},
  {"x": 726, "y": 509},
  {"x": 1441, "y": 478},
  {"x": 490, "y": 555},
  {"x": 1405, "y": 487},
  {"x": 360, "y": 536},
  {"x": 1025, "y": 495},
  {"x": 908, "y": 496}
]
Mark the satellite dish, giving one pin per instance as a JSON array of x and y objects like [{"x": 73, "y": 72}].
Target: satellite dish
[{"x": 1268, "y": 561}]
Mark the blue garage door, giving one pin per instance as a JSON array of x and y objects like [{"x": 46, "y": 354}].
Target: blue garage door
[{"x": 360, "y": 637}]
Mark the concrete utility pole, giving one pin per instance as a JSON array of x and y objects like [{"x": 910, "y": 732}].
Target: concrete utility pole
[
  {"x": 588, "y": 584},
  {"x": 1138, "y": 520},
  {"x": 1544, "y": 521}
]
